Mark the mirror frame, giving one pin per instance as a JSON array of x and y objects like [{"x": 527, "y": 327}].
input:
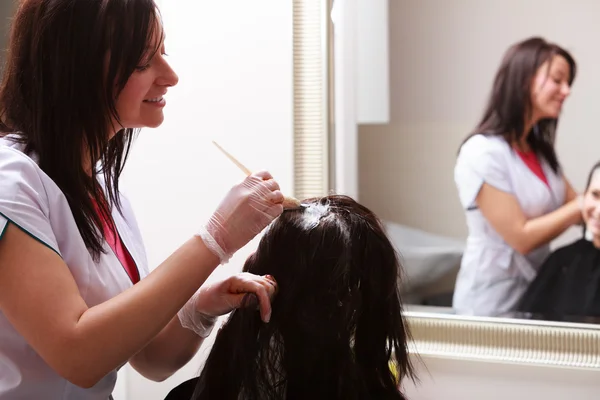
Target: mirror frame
[
  {"x": 505, "y": 340},
  {"x": 319, "y": 121}
]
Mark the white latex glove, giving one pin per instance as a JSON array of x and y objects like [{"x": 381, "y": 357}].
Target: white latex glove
[
  {"x": 218, "y": 298},
  {"x": 244, "y": 212}
]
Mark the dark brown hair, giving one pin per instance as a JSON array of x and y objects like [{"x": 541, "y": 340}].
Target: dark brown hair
[
  {"x": 587, "y": 187},
  {"x": 510, "y": 101},
  {"x": 591, "y": 175},
  {"x": 67, "y": 62},
  {"x": 337, "y": 318}
]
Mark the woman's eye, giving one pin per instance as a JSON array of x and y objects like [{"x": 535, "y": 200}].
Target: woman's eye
[{"x": 142, "y": 68}]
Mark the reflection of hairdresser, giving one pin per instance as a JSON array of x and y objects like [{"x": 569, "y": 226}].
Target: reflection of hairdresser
[
  {"x": 337, "y": 322},
  {"x": 510, "y": 182},
  {"x": 568, "y": 281}
]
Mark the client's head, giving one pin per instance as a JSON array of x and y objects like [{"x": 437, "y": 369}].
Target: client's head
[
  {"x": 591, "y": 204},
  {"x": 336, "y": 322}
]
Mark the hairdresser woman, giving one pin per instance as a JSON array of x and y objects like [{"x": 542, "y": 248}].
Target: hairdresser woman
[
  {"x": 77, "y": 300},
  {"x": 510, "y": 182}
]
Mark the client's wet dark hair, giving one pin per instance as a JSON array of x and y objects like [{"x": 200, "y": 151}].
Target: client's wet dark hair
[{"x": 336, "y": 325}]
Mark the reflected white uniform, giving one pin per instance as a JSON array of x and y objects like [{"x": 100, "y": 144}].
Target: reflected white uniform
[
  {"x": 31, "y": 200},
  {"x": 493, "y": 276}
]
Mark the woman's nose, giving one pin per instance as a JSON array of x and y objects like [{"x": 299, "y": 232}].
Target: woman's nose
[
  {"x": 565, "y": 89},
  {"x": 595, "y": 210},
  {"x": 168, "y": 77}
]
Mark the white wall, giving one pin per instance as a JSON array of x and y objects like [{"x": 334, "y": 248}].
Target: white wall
[
  {"x": 345, "y": 22},
  {"x": 372, "y": 47},
  {"x": 234, "y": 60},
  {"x": 443, "y": 57}
]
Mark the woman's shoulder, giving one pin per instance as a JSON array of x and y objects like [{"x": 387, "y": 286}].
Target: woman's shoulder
[
  {"x": 11, "y": 146},
  {"x": 16, "y": 167},
  {"x": 483, "y": 151},
  {"x": 569, "y": 252},
  {"x": 481, "y": 143},
  {"x": 577, "y": 247},
  {"x": 24, "y": 194}
]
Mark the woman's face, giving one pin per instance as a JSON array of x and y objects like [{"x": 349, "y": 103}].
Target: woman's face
[
  {"x": 140, "y": 104},
  {"x": 591, "y": 205},
  {"x": 550, "y": 88}
]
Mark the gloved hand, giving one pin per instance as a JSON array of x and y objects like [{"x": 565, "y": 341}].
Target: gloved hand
[
  {"x": 214, "y": 299},
  {"x": 244, "y": 212}
]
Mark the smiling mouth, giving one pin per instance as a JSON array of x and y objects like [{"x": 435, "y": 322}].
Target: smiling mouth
[
  {"x": 593, "y": 223},
  {"x": 154, "y": 100}
]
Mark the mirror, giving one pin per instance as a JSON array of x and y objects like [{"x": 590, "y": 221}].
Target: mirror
[{"x": 424, "y": 72}]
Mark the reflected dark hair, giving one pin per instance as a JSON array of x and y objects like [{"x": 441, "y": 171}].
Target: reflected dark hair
[
  {"x": 67, "y": 62},
  {"x": 336, "y": 324},
  {"x": 587, "y": 187},
  {"x": 591, "y": 175},
  {"x": 510, "y": 100}
]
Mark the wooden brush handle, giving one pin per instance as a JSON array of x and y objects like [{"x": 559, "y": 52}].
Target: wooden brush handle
[{"x": 290, "y": 202}]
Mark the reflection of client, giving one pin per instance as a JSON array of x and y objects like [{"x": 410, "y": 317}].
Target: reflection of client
[
  {"x": 510, "y": 182},
  {"x": 336, "y": 326},
  {"x": 568, "y": 282}
]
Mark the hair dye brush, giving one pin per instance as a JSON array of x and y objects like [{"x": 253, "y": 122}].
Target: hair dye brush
[{"x": 289, "y": 203}]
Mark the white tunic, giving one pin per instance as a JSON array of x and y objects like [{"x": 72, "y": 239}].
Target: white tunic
[
  {"x": 31, "y": 200},
  {"x": 493, "y": 276}
]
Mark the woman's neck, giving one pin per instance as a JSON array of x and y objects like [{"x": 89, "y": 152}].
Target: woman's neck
[
  {"x": 87, "y": 164},
  {"x": 522, "y": 144}
]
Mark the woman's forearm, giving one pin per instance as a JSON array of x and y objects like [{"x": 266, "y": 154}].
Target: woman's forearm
[
  {"x": 133, "y": 318},
  {"x": 170, "y": 350},
  {"x": 543, "y": 229}
]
